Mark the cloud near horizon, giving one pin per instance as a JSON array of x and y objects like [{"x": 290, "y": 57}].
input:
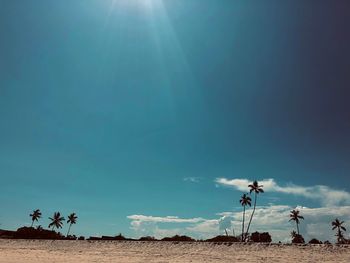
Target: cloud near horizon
[
  {"x": 270, "y": 218},
  {"x": 273, "y": 219},
  {"x": 327, "y": 195},
  {"x": 166, "y": 219}
]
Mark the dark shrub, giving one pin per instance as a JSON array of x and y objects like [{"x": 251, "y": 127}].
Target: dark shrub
[
  {"x": 107, "y": 238},
  {"x": 315, "y": 241},
  {"x": 223, "y": 239},
  {"x": 298, "y": 239},
  {"x": 148, "y": 238},
  {"x": 178, "y": 238},
  {"x": 6, "y": 234},
  {"x": 119, "y": 237},
  {"x": 261, "y": 237},
  {"x": 32, "y": 233},
  {"x": 343, "y": 241},
  {"x": 94, "y": 238},
  {"x": 81, "y": 238}
]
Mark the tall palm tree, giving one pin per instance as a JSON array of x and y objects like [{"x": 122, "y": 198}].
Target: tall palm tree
[
  {"x": 256, "y": 188},
  {"x": 338, "y": 225},
  {"x": 245, "y": 200},
  {"x": 295, "y": 216},
  {"x": 35, "y": 216},
  {"x": 72, "y": 219},
  {"x": 56, "y": 220}
]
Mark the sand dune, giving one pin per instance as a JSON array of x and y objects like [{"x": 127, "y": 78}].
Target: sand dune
[{"x": 15, "y": 251}]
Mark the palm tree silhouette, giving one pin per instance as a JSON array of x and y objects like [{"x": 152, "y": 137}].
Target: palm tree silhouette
[
  {"x": 338, "y": 225},
  {"x": 35, "y": 216},
  {"x": 56, "y": 220},
  {"x": 256, "y": 188},
  {"x": 294, "y": 216},
  {"x": 245, "y": 200},
  {"x": 72, "y": 219}
]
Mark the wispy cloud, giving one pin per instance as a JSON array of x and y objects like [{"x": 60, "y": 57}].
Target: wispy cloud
[
  {"x": 327, "y": 195},
  {"x": 192, "y": 179}
]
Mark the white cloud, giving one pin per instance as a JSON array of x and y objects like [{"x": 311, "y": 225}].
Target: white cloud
[
  {"x": 203, "y": 230},
  {"x": 167, "y": 219},
  {"x": 326, "y": 195},
  {"x": 152, "y": 226},
  {"x": 273, "y": 219},
  {"x": 225, "y": 223}
]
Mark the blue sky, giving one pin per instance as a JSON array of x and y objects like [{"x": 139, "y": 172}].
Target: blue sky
[{"x": 141, "y": 116}]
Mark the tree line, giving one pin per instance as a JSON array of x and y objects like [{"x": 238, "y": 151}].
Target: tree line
[{"x": 56, "y": 220}]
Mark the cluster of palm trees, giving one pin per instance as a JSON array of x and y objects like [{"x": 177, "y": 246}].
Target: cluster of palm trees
[
  {"x": 246, "y": 200},
  {"x": 56, "y": 221},
  {"x": 295, "y": 216},
  {"x": 336, "y": 225}
]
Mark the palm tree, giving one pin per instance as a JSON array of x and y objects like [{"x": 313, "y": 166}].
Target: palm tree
[
  {"x": 72, "y": 219},
  {"x": 56, "y": 221},
  {"x": 256, "y": 188},
  {"x": 294, "y": 216},
  {"x": 338, "y": 225},
  {"x": 245, "y": 200},
  {"x": 35, "y": 216}
]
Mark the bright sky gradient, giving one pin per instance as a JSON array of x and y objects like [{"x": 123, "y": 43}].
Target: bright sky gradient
[{"x": 149, "y": 117}]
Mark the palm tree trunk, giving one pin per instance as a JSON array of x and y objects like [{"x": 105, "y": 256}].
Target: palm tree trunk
[
  {"x": 251, "y": 217},
  {"x": 243, "y": 222},
  {"x": 32, "y": 223},
  {"x": 298, "y": 228},
  {"x": 339, "y": 236},
  {"x": 69, "y": 229}
]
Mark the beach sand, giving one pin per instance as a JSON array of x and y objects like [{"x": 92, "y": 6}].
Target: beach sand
[{"x": 40, "y": 251}]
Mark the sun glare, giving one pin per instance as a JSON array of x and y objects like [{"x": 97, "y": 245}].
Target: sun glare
[{"x": 145, "y": 5}]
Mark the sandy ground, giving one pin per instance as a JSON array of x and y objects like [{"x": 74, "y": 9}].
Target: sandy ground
[{"x": 126, "y": 251}]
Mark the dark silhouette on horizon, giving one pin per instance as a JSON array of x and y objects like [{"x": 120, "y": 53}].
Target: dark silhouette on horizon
[
  {"x": 72, "y": 219},
  {"x": 56, "y": 221},
  {"x": 264, "y": 237},
  {"x": 295, "y": 216},
  {"x": 338, "y": 225},
  {"x": 256, "y": 188},
  {"x": 245, "y": 200},
  {"x": 35, "y": 216}
]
